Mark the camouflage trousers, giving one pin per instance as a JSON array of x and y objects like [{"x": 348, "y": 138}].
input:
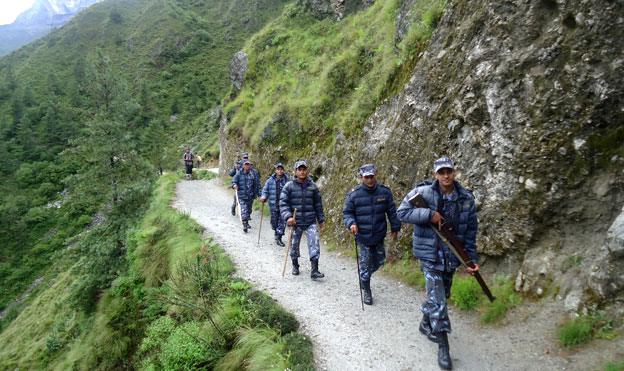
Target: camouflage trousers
[
  {"x": 277, "y": 222},
  {"x": 438, "y": 287},
  {"x": 371, "y": 259},
  {"x": 246, "y": 208},
  {"x": 314, "y": 241}
]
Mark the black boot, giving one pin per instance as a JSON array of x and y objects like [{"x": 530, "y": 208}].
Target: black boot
[
  {"x": 278, "y": 241},
  {"x": 425, "y": 329},
  {"x": 315, "y": 272},
  {"x": 234, "y": 210},
  {"x": 245, "y": 226},
  {"x": 295, "y": 268},
  {"x": 444, "y": 357},
  {"x": 366, "y": 293}
]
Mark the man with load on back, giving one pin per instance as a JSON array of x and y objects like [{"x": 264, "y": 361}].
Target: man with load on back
[
  {"x": 188, "y": 158},
  {"x": 238, "y": 166},
  {"x": 449, "y": 202},
  {"x": 302, "y": 194},
  {"x": 365, "y": 210},
  {"x": 247, "y": 188},
  {"x": 271, "y": 192}
]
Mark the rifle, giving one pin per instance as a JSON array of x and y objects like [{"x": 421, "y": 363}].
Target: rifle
[
  {"x": 446, "y": 234},
  {"x": 290, "y": 235}
]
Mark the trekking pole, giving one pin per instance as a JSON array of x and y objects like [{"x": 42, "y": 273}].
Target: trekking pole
[
  {"x": 290, "y": 236},
  {"x": 260, "y": 227},
  {"x": 357, "y": 260},
  {"x": 238, "y": 206}
]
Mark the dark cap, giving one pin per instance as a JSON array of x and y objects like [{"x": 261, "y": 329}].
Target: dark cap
[
  {"x": 301, "y": 163},
  {"x": 367, "y": 170},
  {"x": 442, "y": 163},
  {"x": 279, "y": 164}
]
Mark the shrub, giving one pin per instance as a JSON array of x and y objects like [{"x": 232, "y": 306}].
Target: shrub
[
  {"x": 185, "y": 349},
  {"x": 255, "y": 349},
  {"x": 271, "y": 313},
  {"x": 506, "y": 298},
  {"x": 465, "y": 292},
  {"x": 615, "y": 366},
  {"x": 298, "y": 349},
  {"x": 576, "y": 332}
]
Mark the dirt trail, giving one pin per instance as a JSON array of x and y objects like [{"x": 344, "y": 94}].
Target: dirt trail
[{"x": 383, "y": 337}]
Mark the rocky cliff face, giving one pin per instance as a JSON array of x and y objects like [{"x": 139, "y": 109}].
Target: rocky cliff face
[{"x": 527, "y": 98}]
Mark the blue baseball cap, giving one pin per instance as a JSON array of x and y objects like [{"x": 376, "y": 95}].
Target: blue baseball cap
[
  {"x": 367, "y": 170},
  {"x": 443, "y": 163},
  {"x": 279, "y": 164}
]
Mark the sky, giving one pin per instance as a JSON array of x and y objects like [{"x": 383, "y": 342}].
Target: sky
[{"x": 10, "y": 9}]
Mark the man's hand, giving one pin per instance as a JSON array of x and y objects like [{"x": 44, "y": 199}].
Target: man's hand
[
  {"x": 263, "y": 199},
  {"x": 437, "y": 218},
  {"x": 354, "y": 228},
  {"x": 394, "y": 235},
  {"x": 290, "y": 221},
  {"x": 235, "y": 186},
  {"x": 321, "y": 226},
  {"x": 472, "y": 270}
]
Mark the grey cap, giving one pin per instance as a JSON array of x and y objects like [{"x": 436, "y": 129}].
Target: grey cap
[
  {"x": 367, "y": 170},
  {"x": 245, "y": 155},
  {"x": 443, "y": 162},
  {"x": 279, "y": 164},
  {"x": 245, "y": 162},
  {"x": 301, "y": 163}
]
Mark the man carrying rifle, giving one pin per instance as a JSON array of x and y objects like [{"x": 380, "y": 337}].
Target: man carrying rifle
[
  {"x": 364, "y": 214},
  {"x": 449, "y": 203}
]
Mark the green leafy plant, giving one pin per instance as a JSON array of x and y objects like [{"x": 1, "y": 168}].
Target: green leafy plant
[
  {"x": 465, "y": 292},
  {"x": 576, "y": 331}
]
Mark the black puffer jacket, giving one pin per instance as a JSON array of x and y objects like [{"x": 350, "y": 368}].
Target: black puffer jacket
[
  {"x": 368, "y": 208},
  {"x": 306, "y": 198}
]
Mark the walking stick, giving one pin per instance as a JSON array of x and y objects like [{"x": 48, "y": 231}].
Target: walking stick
[
  {"x": 357, "y": 259},
  {"x": 261, "y": 216},
  {"x": 238, "y": 206},
  {"x": 290, "y": 234}
]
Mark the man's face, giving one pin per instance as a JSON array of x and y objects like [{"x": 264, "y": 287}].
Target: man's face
[
  {"x": 369, "y": 180},
  {"x": 445, "y": 177},
  {"x": 302, "y": 172},
  {"x": 246, "y": 167},
  {"x": 279, "y": 171}
]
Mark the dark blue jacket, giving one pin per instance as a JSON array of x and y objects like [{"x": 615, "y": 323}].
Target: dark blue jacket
[
  {"x": 273, "y": 189},
  {"x": 306, "y": 198},
  {"x": 368, "y": 208},
  {"x": 236, "y": 168},
  {"x": 425, "y": 239},
  {"x": 248, "y": 185}
]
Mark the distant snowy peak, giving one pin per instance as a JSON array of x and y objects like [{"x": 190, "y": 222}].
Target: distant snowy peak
[{"x": 50, "y": 12}]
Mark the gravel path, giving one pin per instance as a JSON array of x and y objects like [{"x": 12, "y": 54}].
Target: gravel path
[{"x": 383, "y": 337}]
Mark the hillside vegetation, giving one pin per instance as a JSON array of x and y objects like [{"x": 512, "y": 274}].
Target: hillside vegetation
[{"x": 91, "y": 275}]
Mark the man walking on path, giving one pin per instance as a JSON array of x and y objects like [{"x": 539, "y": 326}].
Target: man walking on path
[
  {"x": 449, "y": 203},
  {"x": 238, "y": 166},
  {"x": 188, "y": 158},
  {"x": 271, "y": 192},
  {"x": 364, "y": 214},
  {"x": 248, "y": 188},
  {"x": 302, "y": 194}
]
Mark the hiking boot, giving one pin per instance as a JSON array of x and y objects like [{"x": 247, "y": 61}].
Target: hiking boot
[
  {"x": 295, "y": 266},
  {"x": 315, "y": 272},
  {"x": 444, "y": 356},
  {"x": 278, "y": 241},
  {"x": 366, "y": 293},
  {"x": 233, "y": 210},
  {"x": 245, "y": 226},
  {"x": 425, "y": 329}
]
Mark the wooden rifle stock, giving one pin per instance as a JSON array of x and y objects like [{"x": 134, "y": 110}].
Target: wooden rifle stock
[{"x": 447, "y": 235}]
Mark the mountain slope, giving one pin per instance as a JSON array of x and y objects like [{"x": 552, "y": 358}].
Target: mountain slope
[{"x": 43, "y": 17}]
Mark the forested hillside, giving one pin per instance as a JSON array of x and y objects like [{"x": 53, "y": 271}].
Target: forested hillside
[{"x": 88, "y": 116}]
